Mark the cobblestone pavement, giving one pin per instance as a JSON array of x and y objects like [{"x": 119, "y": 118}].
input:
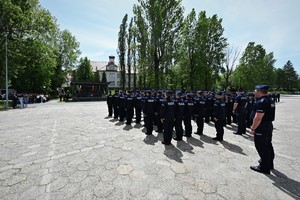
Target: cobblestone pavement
[{"x": 72, "y": 151}]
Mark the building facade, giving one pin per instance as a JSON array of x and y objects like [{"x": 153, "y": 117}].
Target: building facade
[{"x": 112, "y": 71}]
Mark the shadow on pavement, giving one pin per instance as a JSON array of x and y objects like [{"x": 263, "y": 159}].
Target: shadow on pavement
[
  {"x": 114, "y": 120},
  {"x": 173, "y": 153},
  {"x": 138, "y": 126},
  {"x": 248, "y": 137},
  {"x": 195, "y": 142},
  {"x": 119, "y": 123},
  {"x": 208, "y": 139},
  {"x": 186, "y": 147},
  {"x": 127, "y": 128},
  {"x": 232, "y": 147},
  {"x": 286, "y": 184},
  {"x": 150, "y": 139}
]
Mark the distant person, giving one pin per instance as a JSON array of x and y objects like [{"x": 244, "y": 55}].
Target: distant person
[
  {"x": 262, "y": 128},
  {"x": 14, "y": 100},
  {"x": 109, "y": 101}
]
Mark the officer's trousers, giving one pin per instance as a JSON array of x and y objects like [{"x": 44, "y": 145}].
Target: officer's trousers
[
  {"x": 110, "y": 109},
  {"x": 138, "y": 115},
  {"x": 200, "y": 124},
  {"x": 188, "y": 126},
  {"x": 241, "y": 119},
  {"x": 262, "y": 145},
  {"x": 149, "y": 124},
  {"x": 168, "y": 130},
  {"x": 178, "y": 128},
  {"x": 219, "y": 125}
]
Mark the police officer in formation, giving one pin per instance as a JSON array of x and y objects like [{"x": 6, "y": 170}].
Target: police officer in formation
[
  {"x": 239, "y": 108},
  {"x": 262, "y": 128},
  {"x": 201, "y": 106},
  {"x": 167, "y": 113},
  {"x": 219, "y": 115},
  {"x": 179, "y": 116},
  {"x": 109, "y": 101}
]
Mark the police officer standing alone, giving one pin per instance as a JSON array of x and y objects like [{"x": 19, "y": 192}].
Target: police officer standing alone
[
  {"x": 167, "y": 112},
  {"x": 263, "y": 114}
]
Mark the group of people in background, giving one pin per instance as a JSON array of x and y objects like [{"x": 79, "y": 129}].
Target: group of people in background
[
  {"x": 170, "y": 111},
  {"x": 23, "y": 98}
]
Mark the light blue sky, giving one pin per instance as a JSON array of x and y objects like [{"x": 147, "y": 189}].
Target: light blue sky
[{"x": 275, "y": 24}]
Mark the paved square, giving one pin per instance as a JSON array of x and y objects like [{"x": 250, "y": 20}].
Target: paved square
[{"x": 72, "y": 151}]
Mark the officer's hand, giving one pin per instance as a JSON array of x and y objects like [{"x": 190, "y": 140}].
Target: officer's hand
[
  {"x": 252, "y": 132},
  {"x": 162, "y": 120},
  {"x": 215, "y": 119}
]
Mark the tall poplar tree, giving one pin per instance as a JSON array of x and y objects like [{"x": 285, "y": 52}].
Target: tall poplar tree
[
  {"x": 162, "y": 21},
  {"x": 122, "y": 49}
]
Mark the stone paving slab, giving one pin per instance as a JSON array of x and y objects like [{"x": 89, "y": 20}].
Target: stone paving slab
[{"x": 73, "y": 151}]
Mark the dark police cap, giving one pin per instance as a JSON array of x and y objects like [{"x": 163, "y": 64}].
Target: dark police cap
[
  {"x": 199, "y": 92},
  {"x": 178, "y": 92},
  {"x": 262, "y": 87},
  {"x": 188, "y": 95},
  {"x": 169, "y": 91},
  {"x": 219, "y": 93}
]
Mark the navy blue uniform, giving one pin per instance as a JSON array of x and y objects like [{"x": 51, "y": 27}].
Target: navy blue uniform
[
  {"x": 249, "y": 111},
  {"x": 188, "y": 113},
  {"x": 148, "y": 110},
  {"x": 159, "y": 100},
  {"x": 129, "y": 101},
  {"x": 263, "y": 133},
  {"x": 167, "y": 113},
  {"x": 229, "y": 107},
  {"x": 122, "y": 110},
  {"x": 179, "y": 113},
  {"x": 219, "y": 115},
  {"x": 109, "y": 101},
  {"x": 199, "y": 114},
  {"x": 138, "y": 104},
  {"x": 116, "y": 105},
  {"x": 241, "y": 113}
]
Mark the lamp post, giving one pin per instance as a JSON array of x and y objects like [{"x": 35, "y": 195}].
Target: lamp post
[{"x": 6, "y": 74}]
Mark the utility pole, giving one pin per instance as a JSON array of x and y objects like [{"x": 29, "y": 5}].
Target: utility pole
[{"x": 6, "y": 74}]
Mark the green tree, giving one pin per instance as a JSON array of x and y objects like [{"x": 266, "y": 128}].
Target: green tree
[
  {"x": 290, "y": 75},
  {"x": 229, "y": 62},
  {"x": 256, "y": 67},
  {"x": 96, "y": 76},
  {"x": 122, "y": 49},
  {"x": 162, "y": 21},
  {"x": 130, "y": 47},
  {"x": 103, "y": 80},
  {"x": 84, "y": 71},
  {"x": 67, "y": 53}
]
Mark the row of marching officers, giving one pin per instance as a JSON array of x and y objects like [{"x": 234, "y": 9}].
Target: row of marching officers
[{"x": 166, "y": 111}]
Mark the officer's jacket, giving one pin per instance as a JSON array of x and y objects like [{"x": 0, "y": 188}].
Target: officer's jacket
[
  {"x": 129, "y": 102},
  {"x": 122, "y": 102},
  {"x": 241, "y": 100},
  {"x": 167, "y": 110},
  {"x": 159, "y": 100},
  {"x": 179, "y": 108},
  {"x": 138, "y": 101},
  {"x": 264, "y": 105},
  {"x": 149, "y": 104},
  {"x": 189, "y": 108},
  {"x": 109, "y": 99},
  {"x": 199, "y": 106},
  {"x": 219, "y": 109}
]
